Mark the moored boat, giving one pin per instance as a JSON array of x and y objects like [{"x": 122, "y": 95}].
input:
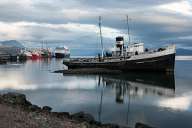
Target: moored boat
[
  {"x": 35, "y": 55},
  {"x": 156, "y": 61},
  {"x": 62, "y": 52},
  {"x": 132, "y": 57},
  {"x": 45, "y": 53},
  {"x": 28, "y": 54}
]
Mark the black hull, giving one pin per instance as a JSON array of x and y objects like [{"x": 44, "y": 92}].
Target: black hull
[
  {"x": 161, "y": 63},
  {"x": 61, "y": 55}
]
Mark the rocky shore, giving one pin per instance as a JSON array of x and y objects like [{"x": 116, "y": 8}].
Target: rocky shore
[{"x": 17, "y": 112}]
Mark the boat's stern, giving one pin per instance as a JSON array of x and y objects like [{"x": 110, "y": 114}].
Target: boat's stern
[{"x": 66, "y": 61}]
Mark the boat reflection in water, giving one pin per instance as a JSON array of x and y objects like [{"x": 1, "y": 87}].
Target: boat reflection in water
[
  {"x": 133, "y": 85},
  {"x": 138, "y": 84}
]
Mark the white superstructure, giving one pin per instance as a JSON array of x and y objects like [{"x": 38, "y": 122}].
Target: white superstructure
[
  {"x": 136, "y": 47},
  {"x": 171, "y": 49},
  {"x": 137, "y": 51},
  {"x": 62, "y": 50}
]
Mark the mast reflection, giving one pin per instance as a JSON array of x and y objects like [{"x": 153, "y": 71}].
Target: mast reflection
[
  {"x": 140, "y": 84},
  {"x": 128, "y": 86}
]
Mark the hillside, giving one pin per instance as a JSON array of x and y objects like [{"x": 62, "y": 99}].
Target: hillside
[
  {"x": 13, "y": 43},
  {"x": 183, "y": 52}
]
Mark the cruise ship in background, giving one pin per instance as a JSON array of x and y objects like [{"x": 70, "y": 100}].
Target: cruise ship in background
[
  {"x": 62, "y": 52},
  {"x": 14, "y": 51}
]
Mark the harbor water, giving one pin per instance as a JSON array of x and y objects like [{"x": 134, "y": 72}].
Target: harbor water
[{"x": 158, "y": 100}]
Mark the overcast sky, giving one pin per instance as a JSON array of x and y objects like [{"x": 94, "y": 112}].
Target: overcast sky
[{"x": 75, "y": 22}]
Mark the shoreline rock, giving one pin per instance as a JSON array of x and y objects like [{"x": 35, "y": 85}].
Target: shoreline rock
[
  {"x": 23, "y": 113},
  {"x": 81, "y": 119}
]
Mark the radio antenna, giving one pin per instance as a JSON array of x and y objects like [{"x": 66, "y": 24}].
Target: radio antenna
[
  {"x": 128, "y": 31},
  {"x": 101, "y": 38}
]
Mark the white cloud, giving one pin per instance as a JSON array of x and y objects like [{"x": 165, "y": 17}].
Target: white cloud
[
  {"x": 21, "y": 30},
  {"x": 76, "y": 14},
  {"x": 8, "y": 31},
  {"x": 23, "y": 3},
  {"x": 183, "y": 7},
  {"x": 77, "y": 19}
]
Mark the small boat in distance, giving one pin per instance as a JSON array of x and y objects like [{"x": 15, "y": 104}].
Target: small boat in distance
[
  {"x": 28, "y": 54},
  {"x": 62, "y": 52},
  {"x": 46, "y": 53},
  {"x": 36, "y": 55},
  {"x": 133, "y": 57}
]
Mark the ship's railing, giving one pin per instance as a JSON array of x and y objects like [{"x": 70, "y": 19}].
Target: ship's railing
[
  {"x": 97, "y": 59},
  {"x": 168, "y": 50}
]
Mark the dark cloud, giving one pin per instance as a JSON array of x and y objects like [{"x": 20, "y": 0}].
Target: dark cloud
[
  {"x": 148, "y": 23},
  {"x": 125, "y": 3},
  {"x": 51, "y": 11}
]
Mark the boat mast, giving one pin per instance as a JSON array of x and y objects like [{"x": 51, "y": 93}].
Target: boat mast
[
  {"x": 128, "y": 34},
  {"x": 41, "y": 44},
  {"x": 101, "y": 39}
]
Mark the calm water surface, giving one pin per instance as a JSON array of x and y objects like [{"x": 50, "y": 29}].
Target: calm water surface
[{"x": 159, "y": 100}]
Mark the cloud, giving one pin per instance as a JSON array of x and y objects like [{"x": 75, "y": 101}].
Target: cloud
[
  {"x": 182, "y": 7},
  {"x": 76, "y": 20},
  {"x": 76, "y": 34},
  {"x": 124, "y": 3}
]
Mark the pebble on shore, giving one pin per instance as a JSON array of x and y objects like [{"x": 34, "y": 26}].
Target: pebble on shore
[{"x": 16, "y": 111}]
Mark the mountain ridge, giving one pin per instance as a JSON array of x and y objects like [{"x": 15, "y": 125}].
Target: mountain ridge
[{"x": 11, "y": 43}]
